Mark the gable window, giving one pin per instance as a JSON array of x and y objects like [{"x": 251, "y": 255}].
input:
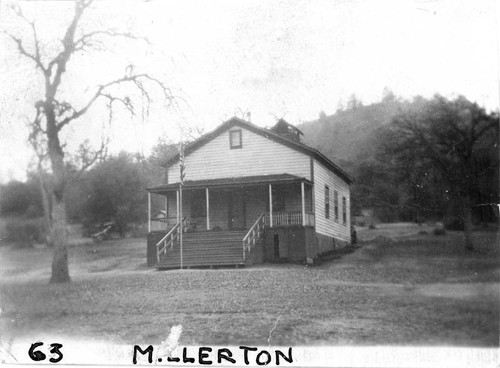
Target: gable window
[
  {"x": 327, "y": 201},
  {"x": 235, "y": 139},
  {"x": 336, "y": 205},
  {"x": 344, "y": 210}
]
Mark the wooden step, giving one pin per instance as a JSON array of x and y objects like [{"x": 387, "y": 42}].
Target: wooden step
[{"x": 203, "y": 249}]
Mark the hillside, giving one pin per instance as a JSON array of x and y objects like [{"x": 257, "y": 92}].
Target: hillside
[{"x": 347, "y": 137}]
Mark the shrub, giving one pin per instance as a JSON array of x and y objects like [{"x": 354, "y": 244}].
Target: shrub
[
  {"x": 115, "y": 192},
  {"x": 25, "y": 232},
  {"x": 439, "y": 231},
  {"x": 454, "y": 223},
  {"x": 139, "y": 231},
  {"x": 33, "y": 211}
]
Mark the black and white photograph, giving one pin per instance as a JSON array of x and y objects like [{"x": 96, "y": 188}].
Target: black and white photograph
[{"x": 250, "y": 182}]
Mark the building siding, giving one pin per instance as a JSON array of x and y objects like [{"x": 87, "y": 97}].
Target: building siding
[
  {"x": 293, "y": 198},
  {"x": 256, "y": 200},
  {"x": 258, "y": 156},
  {"x": 329, "y": 226},
  {"x": 172, "y": 204}
]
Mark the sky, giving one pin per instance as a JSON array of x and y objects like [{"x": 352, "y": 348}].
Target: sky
[{"x": 273, "y": 58}]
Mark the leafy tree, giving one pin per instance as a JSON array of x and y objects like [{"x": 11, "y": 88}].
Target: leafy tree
[
  {"x": 116, "y": 192},
  {"x": 17, "y": 197},
  {"x": 163, "y": 151},
  {"x": 53, "y": 114},
  {"x": 372, "y": 189},
  {"x": 353, "y": 102},
  {"x": 446, "y": 145}
]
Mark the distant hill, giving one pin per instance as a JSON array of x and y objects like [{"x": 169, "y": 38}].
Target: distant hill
[{"x": 347, "y": 137}]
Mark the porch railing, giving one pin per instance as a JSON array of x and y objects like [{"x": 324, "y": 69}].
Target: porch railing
[
  {"x": 290, "y": 218},
  {"x": 163, "y": 223},
  {"x": 253, "y": 234},
  {"x": 168, "y": 240}
]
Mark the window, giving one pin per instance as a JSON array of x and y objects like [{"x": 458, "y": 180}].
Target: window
[
  {"x": 344, "y": 210},
  {"x": 336, "y": 205},
  {"x": 327, "y": 201},
  {"x": 235, "y": 139}
]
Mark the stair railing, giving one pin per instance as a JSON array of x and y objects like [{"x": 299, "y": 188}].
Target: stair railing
[
  {"x": 168, "y": 240},
  {"x": 253, "y": 234}
]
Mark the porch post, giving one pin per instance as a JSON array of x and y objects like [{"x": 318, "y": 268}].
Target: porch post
[
  {"x": 149, "y": 212},
  {"x": 270, "y": 205},
  {"x": 303, "y": 204},
  {"x": 166, "y": 210},
  {"x": 177, "y": 202},
  {"x": 208, "y": 210}
]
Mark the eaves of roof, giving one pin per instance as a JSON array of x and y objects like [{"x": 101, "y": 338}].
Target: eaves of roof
[{"x": 243, "y": 181}]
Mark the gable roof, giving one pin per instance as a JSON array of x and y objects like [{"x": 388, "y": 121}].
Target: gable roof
[{"x": 265, "y": 133}]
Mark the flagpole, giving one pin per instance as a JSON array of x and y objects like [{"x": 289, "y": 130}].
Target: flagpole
[
  {"x": 180, "y": 212},
  {"x": 181, "y": 183}
]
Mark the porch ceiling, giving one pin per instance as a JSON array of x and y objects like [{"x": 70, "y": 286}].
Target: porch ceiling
[{"x": 230, "y": 182}]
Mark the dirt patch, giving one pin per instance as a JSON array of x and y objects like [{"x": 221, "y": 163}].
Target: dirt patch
[
  {"x": 416, "y": 291},
  {"x": 469, "y": 291}
]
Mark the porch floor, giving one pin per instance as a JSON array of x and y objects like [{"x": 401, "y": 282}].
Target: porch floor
[{"x": 206, "y": 249}]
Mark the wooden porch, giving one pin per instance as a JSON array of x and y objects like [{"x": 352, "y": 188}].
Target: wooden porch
[
  {"x": 223, "y": 224},
  {"x": 279, "y": 219}
]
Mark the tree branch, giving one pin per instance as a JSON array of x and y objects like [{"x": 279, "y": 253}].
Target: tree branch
[
  {"x": 87, "y": 39},
  {"x": 88, "y": 157},
  {"x": 490, "y": 125},
  {"x": 68, "y": 48},
  {"x": 36, "y": 58},
  {"x": 416, "y": 134},
  {"x": 137, "y": 79}
]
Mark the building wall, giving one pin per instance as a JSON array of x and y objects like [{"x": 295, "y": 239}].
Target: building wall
[
  {"x": 256, "y": 201},
  {"x": 218, "y": 210},
  {"x": 291, "y": 241},
  {"x": 172, "y": 204},
  {"x": 151, "y": 250},
  {"x": 327, "y": 243},
  {"x": 331, "y": 226},
  {"x": 293, "y": 197},
  {"x": 258, "y": 156}
]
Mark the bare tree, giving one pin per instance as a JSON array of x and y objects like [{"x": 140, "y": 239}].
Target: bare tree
[
  {"x": 53, "y": 115},
  {"x": 39, "y": 144}
]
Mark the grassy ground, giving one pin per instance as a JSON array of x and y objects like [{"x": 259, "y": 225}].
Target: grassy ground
[{"x": 400, "y": 287}]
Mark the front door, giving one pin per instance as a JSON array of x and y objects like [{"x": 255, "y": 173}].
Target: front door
[{"x": 236, "y": 211}]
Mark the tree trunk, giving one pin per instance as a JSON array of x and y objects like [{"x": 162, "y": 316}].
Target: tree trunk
[
  {"x": 46, "y": 206},
  {"x": 467, "y": 213},
  {"x": 59, "y": 236},
  {"x": 59, "y": 233}
]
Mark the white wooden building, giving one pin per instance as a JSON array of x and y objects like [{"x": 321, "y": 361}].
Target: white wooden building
[{"x": 250, "y": 195}]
